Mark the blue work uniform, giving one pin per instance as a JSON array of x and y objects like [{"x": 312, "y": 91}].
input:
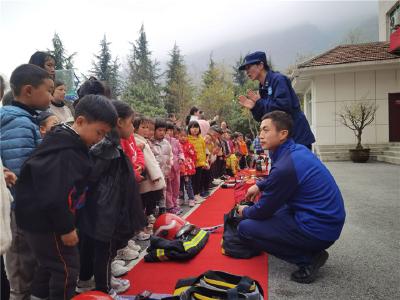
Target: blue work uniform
[
  {"x": 300, "y": 211},
  {"x": 277, "y": 94}
]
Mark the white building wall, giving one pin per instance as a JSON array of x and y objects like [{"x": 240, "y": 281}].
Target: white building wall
[{"x": 332, "y": 92}]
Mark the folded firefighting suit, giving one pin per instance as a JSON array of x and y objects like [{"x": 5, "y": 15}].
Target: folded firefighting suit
[{"x": 185, "y": 247}]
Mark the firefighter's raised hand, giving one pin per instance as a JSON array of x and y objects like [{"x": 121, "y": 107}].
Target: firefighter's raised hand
[
  {"x": 253, "y": 96},
  {"x": 252, "y": 193},
  {"x": 246, "y": 102}
]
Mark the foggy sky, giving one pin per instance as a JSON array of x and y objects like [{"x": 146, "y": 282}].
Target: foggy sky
[{"x": 29, "y": 25}]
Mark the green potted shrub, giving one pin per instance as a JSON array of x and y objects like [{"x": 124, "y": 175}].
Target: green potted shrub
[{"x": 356, "y": 117}]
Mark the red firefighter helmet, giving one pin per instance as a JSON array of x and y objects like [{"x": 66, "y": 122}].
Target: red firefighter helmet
[
  {"x": 168, "y": 225},
  {"x": 92, "y": 295}
]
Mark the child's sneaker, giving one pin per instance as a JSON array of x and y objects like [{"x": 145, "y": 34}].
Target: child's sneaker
[
  {"x": 113, "y": 294},
  {"x": 204, "y": 194},
  {"x": 127, "y": 254},
  {"x": 192, "y": 203},
  {"x": 199, "y": 199},
  {"x": 118, "y": 268},
  {"x": 142, "y": 236},
  {"x": 178, "y": 210},
  {"x": 151, "y": 219},
  {"x": 120, "y": 285},
  {"x": 132, "y": 245},
  {"x": 217, "y": 181},
  {"x": 85, "y": 285}
]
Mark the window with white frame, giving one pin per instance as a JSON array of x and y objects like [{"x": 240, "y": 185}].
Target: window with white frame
[{"x": 394, "y": 18}]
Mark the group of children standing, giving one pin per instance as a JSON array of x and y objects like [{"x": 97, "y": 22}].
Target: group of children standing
[{"x": 89, "y": 180}]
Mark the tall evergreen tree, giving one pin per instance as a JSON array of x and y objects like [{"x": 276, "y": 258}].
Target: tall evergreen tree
[
  {"x": 240, "y": 119},
  {"x": 239, "y": 77},
  {"x": 105, "y": 68},
  {"x": 143, "y": 90},
  {"x": 178, "y": 89},
  {"x": 217, "y": 91},
  {"x": 63, "y": 60},
  {"x": 211, "y": 75}
]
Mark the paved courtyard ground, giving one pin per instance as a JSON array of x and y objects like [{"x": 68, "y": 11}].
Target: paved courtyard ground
[{"x": 365, "y": 262}]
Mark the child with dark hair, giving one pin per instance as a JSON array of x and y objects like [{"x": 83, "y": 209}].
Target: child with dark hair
[
  {"x": 196, "y": 139},
  {"x": 163, "y": 152},
  {"x": 242, "y": 149},
  {"x": 58, "y": 106},
  {"x": 173, "y": 181},
  {"x": 47, "y": 121},
  {"x": 92, "y": 86},
  {"x": 152, "y": 186},
  {"x": 32, "y": 88},
  {"x": 8, "y": 98},
  {"x": 45, "y": 61},
  {"x": 188, "y": 168},
  {"x": 59, "y": 170},
  {"x": 113, "y": 211}
]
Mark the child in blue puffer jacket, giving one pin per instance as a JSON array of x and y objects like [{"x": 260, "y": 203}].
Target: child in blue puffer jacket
[{"x": 32, "y": 88}]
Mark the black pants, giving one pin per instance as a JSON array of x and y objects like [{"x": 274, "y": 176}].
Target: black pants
[
  {"x": 196, "y": 181},
  {"x": 150, "y": 201},
  {"x": 206, "y": 180},
  {"x": 5, "y": 285},
  {"x": 221, "y": 166},
  {"x": 58, "y": 268},
  {"x": 243, "y": 162},
  {"x": 96, "y": 257}
]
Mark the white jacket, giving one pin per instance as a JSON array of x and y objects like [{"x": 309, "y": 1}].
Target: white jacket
[
  {"x": 153, "y": 170},
  {"x": 5, "y": 218}
]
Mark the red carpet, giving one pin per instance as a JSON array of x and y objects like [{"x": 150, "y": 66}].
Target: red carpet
[{"x": 161, "y": 277}]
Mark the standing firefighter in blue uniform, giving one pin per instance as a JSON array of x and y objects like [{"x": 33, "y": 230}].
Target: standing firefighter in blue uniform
[
  {"x": 275, "y": 93},
  {"x": 300, "y": 212}
]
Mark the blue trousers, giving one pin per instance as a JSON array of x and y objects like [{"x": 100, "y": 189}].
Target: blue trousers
[{"x": 281, "y": 236}]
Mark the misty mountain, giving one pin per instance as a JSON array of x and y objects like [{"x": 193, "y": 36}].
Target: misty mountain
[{"x": 283, "y": 46}]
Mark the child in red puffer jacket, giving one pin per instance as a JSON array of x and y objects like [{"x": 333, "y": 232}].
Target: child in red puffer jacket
[{"x": 188, "y": 167}]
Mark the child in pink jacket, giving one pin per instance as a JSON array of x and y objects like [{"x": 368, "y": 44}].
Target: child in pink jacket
[
  {"x": 173, "y": 182},
  {"x": 163, "y": 152}
]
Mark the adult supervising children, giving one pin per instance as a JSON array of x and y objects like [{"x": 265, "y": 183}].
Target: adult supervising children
[
  {"x": 275, "y": 93},
  {"x": 300, "y": 212}
]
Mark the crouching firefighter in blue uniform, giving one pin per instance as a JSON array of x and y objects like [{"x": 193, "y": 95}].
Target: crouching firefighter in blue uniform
[
  {"x": 275, "y": 93},
  {"x": 300, "y": 212}
]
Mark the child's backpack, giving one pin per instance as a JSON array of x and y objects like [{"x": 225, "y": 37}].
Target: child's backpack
[{"x": 218, "y": 285}]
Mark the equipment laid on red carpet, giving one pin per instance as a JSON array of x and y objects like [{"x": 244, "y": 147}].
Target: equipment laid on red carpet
[
  {"x": 231, "y": 244},
  {"x": 161, "y": 278},
  {"x": 175, "y": 239},
  {"x": 218, "y": 285}
]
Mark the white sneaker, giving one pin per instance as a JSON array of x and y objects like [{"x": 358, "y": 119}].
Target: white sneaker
[
  {"x": 121, "y": 267},
  {"x": 113, "y": 294},
  {"x": 151, "y": 219},
  {"x": 85, "y": 285},
  {"x": 199, "y": 199},
  {"x": 127, "y": 254},
  {"x": 118, "y": 268},
  {"x": 142, "y": 236},
  {"x": 132, "y": 245},
  {"x": 217, "y": 181},
  {"x": 120, "y": 285}
]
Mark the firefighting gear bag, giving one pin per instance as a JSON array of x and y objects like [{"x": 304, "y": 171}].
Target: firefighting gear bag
[
  {"x": 218, "y": 285},
  {"x": 188, "y": 243},
  {"x": 231, "y": 243}
]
